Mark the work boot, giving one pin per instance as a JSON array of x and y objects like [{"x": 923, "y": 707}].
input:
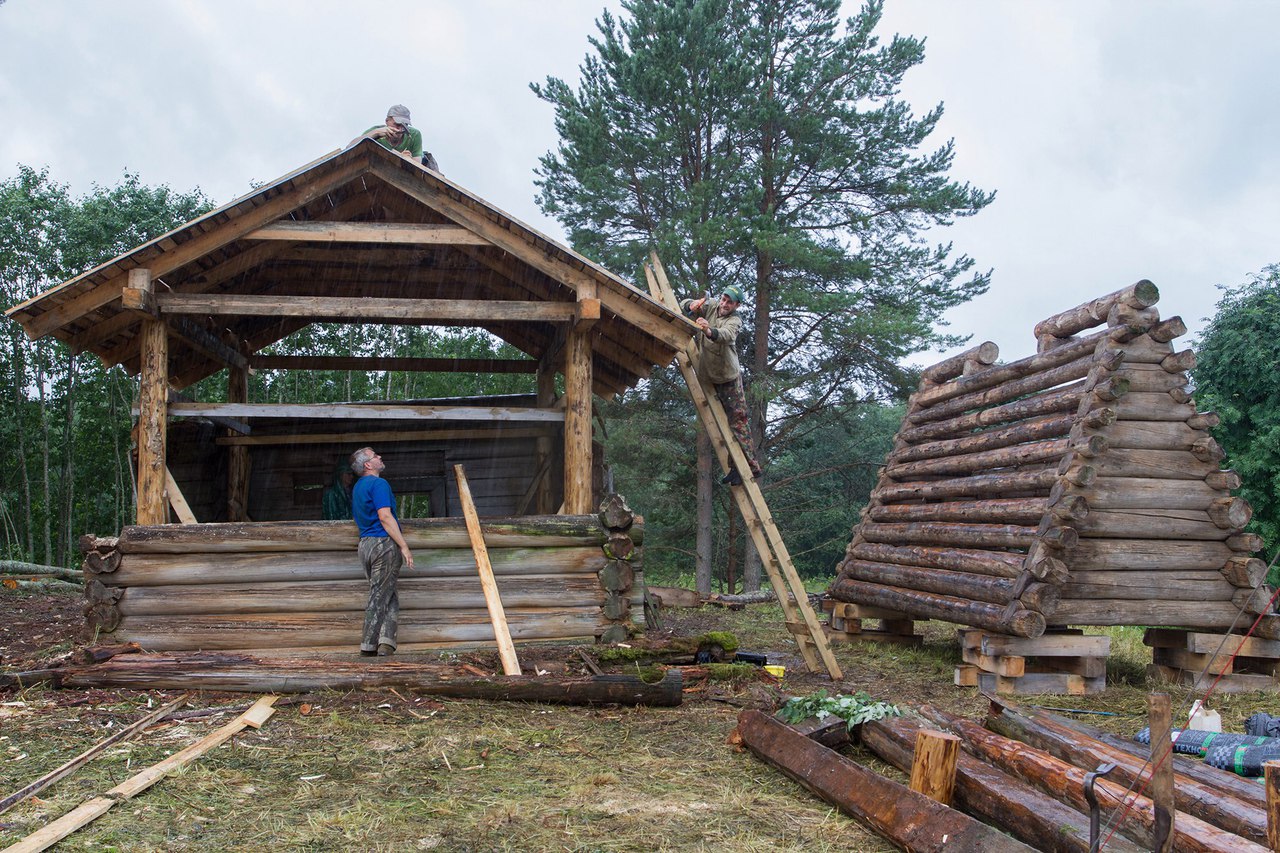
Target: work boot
[
  {"x": 733, "y": 478},
  {"x": 367, "y": 653},
  {"x": 385, "y": 649}
]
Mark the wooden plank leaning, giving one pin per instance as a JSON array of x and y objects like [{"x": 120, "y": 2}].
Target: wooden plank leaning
[
  {"x": 802, "y": 623},
  {"x": 83, "y": 758},
  {"x": 506, "y": 648},
  {"x": 92, "y": 809}
]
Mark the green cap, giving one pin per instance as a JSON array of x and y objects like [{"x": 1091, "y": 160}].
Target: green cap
[{"x": 733, "y": 292}]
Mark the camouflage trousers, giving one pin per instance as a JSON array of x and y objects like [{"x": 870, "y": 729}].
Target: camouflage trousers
[
  {"x": 735, "y": 406},
  {"x": 381, "y": 560}
]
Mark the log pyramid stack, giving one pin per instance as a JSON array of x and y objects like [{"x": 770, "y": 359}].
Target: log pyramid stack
[{"x": 1077, "y": 486}]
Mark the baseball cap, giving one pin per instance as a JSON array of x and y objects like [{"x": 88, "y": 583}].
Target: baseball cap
[
  {"x": 400, "y": 113},
  {"x": 733, "y": 292}
]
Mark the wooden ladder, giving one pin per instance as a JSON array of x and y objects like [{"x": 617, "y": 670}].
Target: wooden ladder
[{"x": 801, "y": 621}]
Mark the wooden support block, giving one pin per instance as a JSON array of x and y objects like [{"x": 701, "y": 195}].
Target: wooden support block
[
  {"x": 1183, "y": 659},
  {"x": 933, "y": 770},
  {"x": 848, "y": 610},
  {"x": 1038, "y": 683},
  {"x": 966, "y": 675},
  {"x": 1087, "y": 667},
  {"x": 1049, "y": 645},
  {"x": 1234, "y": 683},
  {"x": 1010, "y": 666}
]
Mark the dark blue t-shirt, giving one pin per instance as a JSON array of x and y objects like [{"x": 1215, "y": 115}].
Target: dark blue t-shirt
[{"x": 369, "y": 495}]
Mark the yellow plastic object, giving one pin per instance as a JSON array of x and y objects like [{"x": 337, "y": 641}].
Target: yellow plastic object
[{"x": 775, "y": 670}]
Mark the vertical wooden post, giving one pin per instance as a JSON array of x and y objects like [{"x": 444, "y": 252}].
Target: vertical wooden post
[
  {"x": 546, "y": 399},
  {"x": 933, "y": 770},
  {"x": 1272, "y": 771},
  {"x": 1160, "y": 725},
  {"x": 153, "y": 410},
  {"x": 577, "y": 421},
  {"x": 497, "y": 615},
  {"x": 237, "y": 454}
]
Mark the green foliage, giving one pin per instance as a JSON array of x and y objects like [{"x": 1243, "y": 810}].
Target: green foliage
[
  {"x": 1236, "y": 377},
  {"x": 854, "y": 710}
]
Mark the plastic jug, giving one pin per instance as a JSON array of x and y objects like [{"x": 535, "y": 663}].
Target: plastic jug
[{"x": 1204, "y": 719}]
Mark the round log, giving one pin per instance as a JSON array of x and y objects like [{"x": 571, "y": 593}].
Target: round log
[
  {"x": 1167, "y": 464},
  {"x": 1242, "y": 571},
  {"x": 1066, "y": 399},
  {"x": 983, "y": 461},
  {"x": 101, "y": 562},
  {"x": 1128, "y": 315},
  {"x": 1180, "y": 395},
  {"x": 1204, "y": 420},
  {"x": 1041, "y": 597},
  {"x": 1227, "y": 480},
  {"x": 1149, "y": 493},
  {"x": 1147, "y": 555},
  {"x": 1041, "y": 564},
  {"x": 615, "y": 515},
  {"x": 89, "y": 542},
  {"x": 1179, "y": 362},
  {"x": 995, "y": 563},
  {"x": 1142, "y": 294},
  {"x": 991, "y": 617},
  {"x": 1152, "y": 524},
  {"x": 1069, "y": 508},
  {"x": 1248, "y": 543},
  {"x": 1004, "y": 392},
  {"x": 1253, "y": 601},
  {"x": 983, "y": 536},
  {"x": 958, "y": 584},
  {"x": 979, "y": 486},
  {"x": 1207, "y": 450},
  {"x": 1168, "y": 330},
  {"x": 1007, "y": 511},
  {"x": 1231, "y": 513},
  {"x": 1151, "y": 381},
  {"x": 1034, "y": 430},
  {"x": 1152, "y": 407},
  {"x": 984, "y": 353},
  {"x": 619, "y": 547},
  {"x": 1000, "y": 374},
  {"x": 1111, "y": 389}
]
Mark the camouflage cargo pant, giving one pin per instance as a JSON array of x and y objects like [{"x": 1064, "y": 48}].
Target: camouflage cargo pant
[
  {"x": 381, "y": 560},
  {"x": 735, "y": 406}
]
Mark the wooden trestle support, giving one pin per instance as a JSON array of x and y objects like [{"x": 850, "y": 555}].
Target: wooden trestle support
[
  {"x": 1062, "y": 661},
  {"x": 1197, "y": 659}
]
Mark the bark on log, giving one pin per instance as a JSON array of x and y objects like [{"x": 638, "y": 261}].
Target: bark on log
[
  {"x": 1003, "y": 373},
  {"x": 245, "y": 673},
  {"x": 1066, "y": 399},
  {"x": 981, "y": 462},
  {"x": 941, "y": 581},
  {"x": 1012, "y": 390},
  {"x": 1241, "y": 817},
  {"x": 1142, "y": 294},
  {"x": 1066, "y": 783},
  {"x": 993, "y": 795},
  {"x": 984, "y": 353},
  {"x": 992, "y": 617},
  {"x": 104, "y": 544},
  {"x": 909, "y": 820},
  {"x": 1039, "y": 429},
  {"x": 979, "y": 486},
  {"x": 1026, "y": 511},
  {"x": 981, "y": 536},
  {"x": 615, "y": 515},
  {"x": 994, "y": 563},
  {"x": 526, "y": 531},
  {"x": 16, "y": 567}
]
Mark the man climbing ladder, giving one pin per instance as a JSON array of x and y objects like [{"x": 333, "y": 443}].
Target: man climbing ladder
[{"x": 801, "y": 621}]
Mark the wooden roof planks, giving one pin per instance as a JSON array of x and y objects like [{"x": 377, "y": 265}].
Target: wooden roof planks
[{"x": 1078, "y": 486}]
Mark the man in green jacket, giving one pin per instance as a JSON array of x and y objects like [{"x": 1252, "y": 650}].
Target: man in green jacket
[
  {"x": 718, "y": 364},
  {"x": 396, "y": 134}
]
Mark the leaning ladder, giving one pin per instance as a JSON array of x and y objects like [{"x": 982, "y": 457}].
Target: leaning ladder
[{"x": 801, "y": 621}]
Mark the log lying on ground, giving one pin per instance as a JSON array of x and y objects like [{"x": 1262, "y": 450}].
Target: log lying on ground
[
  {"x": 1193, "y": 797},
  {"x": 244, "y": 673},
  {"x": 993, "y": 795},
  {"x": 15, "y": 567},
  {"x": 910, "y": 820},
  {"x": 993, "y": 617},
  {"x": 1066, "y": 783}
]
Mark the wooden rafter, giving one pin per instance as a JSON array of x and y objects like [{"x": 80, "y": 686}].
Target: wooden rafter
[{"x": 409, "y": 233}]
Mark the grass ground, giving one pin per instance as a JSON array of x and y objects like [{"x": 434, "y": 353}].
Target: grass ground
[{"x": 395, "y": 771}]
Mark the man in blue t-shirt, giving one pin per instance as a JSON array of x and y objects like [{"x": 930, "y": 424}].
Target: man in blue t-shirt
[{"x": 382, "y": 551}]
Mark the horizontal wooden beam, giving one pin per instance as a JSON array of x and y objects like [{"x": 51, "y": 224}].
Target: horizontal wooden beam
[
  {"x": 389, "y": 436},
  {"x": 369, "y": 232},
  {"x": 359, "y": 412},
  {"x": 366, "y": 308},
  {"x": 375, "y": 363}
]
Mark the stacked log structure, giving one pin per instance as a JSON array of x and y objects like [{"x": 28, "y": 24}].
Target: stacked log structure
[
  {"x": 1077, "y": 486},
  {"x": 298, "y": 586}
]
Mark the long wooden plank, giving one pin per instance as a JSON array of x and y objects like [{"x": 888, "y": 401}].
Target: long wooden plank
[
  {"x": 98, "y": 806},
  {"x": 375, "y": 411},
  {"x": 413, "y": 233},
  {"x": 181, "y": 508},
  {"x": 792, "y": 596},
  {"x": 501, "y": 633},
  {"x": 83, "y": 758},
  {"x": 367, "y": 308}
]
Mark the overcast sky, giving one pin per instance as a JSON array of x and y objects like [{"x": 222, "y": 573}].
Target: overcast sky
[{"x": 1125, "y": 140}]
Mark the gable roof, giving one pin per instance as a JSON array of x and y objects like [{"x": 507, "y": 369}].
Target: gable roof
[{"x": 359, "y": 224}]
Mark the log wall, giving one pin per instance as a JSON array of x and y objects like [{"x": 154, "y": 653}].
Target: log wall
[
  {"x": 273, "y": 586},
  {"x": 1077, "y": 486}
]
